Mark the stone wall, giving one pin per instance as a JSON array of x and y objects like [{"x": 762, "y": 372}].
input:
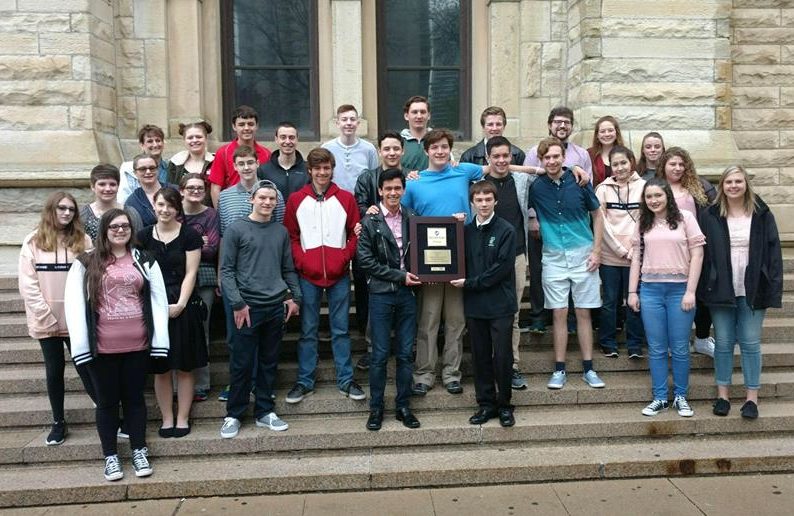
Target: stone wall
[
  {"x": 57, "y": 83},
  {"x": 762, "y": 49}
]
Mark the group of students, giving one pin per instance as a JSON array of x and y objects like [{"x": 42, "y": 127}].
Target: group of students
[{"x": 128, "y": 282}]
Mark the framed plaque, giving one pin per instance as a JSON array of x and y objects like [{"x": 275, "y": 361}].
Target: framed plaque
[{"x": 437, "y": 248}]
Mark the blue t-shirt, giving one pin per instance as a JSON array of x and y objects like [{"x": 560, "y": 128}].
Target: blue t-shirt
[
  {"x": 442, "y": 193},
  {"x": 563, "y": 209}
]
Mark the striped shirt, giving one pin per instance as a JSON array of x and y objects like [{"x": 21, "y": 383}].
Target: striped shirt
[{"x": 235, "y": 203}]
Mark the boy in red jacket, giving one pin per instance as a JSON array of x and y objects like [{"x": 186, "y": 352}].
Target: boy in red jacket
[{"x": 320, "y": 218}]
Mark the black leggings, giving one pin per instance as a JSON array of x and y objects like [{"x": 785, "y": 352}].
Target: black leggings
[
  {"x": 55, "y": 364},
  {"x": 120, "y": 377},
  {"x": 702, "y": 321}
]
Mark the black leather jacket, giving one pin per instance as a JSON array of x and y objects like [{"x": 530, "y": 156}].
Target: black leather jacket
[
  {"x": 378, "y": 255},
  {"x": 366, "y": 190}
]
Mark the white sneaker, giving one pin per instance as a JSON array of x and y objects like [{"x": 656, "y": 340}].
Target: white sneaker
[
  {"x": 592, "y": 379},
  {"x": 273, "y": 422},
  {"x": 684, "y": 410},
  {"x": 655, "y": 407},
  {"x": 230, "y": 428},
  {"x": 557, "y": 380},
  {"x": 705, "y": 346}
]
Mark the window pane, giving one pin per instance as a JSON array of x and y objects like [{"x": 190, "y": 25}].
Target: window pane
[
  {"x": 277, "y": 95},
  {"x": 442, "y": 89},
  {"x": 422, "y": 32},
  {"x": 259, "y": 40}
]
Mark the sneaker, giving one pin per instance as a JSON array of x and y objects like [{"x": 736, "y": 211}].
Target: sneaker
[
  {"x": 353, "y": 391},
  {"x": 200, "y": 395},
  {"x": 121, "y": 433},
  {"x": 571, "y": 327},
  {"x": 537, "y": 327},
  {"x": 749, "y": 410},
  {"x": 557, "y": 380},
  {"x": 140, "y": 462},
  {"x": 273, "y": 422},
  {"x": 635, "y": 353},
  {"x": 363, "y": 362},
  {"x": 230, "y": 428},
  {"x": 58, "y": 434},
  {"x": 297, "y": 393},
  {"x": 682, "y": 405},
  {"x": 609, "y": 352},
  {"x": 655, "y": 407},
  {"x": 721, "y": 407},
  {"x": 113, "y": 468},
  {"x": 224, "y": 394},
  {"x": 705, "y": 346},
  {"x": 591, "y": 378},
  {"x": 518, "y": 383}
]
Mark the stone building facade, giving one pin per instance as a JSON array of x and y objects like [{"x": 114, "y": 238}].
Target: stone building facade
[{"x": 78, "y": 77}]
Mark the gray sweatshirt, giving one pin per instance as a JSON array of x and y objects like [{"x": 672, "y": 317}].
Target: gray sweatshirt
[{"x": 256, "y": 264}]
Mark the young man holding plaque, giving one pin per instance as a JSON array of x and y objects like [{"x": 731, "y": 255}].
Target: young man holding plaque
[
  {"x": 440, "y": 191},
  {"x": 383, "y": 255},
  {"x": 571, "y": 255},
  {"x": 490, "y": 305}
]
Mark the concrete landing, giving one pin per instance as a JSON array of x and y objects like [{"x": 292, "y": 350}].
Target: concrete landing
[{"x": 769, "y": 495}]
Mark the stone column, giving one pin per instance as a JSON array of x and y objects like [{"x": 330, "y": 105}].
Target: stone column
[
  {"x": 347, "y": 69},
  {"x": 185, "y": 70}
]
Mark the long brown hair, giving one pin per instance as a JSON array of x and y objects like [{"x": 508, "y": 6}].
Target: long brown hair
[
  {"x": 647, "y": 216},
  {"x": 642, "y": 164},
  {"x": 48, "y": 230},
  {"x": 689, "y": 180},
  {"x": 618, "y": 137},
  {"x": 97, "y": 261}
]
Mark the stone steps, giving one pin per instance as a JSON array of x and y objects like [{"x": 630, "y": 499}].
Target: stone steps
[
  {"x": 33, "y": 409},
  {"x": 534, "y": 426},
  {"x": 366, "y": 468},
  {"x": 30, "y": 377}
]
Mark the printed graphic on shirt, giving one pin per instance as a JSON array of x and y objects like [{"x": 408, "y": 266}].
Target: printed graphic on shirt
[{"x": 120, "y": 292}]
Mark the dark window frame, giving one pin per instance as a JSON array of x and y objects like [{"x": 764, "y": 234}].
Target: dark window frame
[
  {"x": 228, "y": 86},
  {"x": 464, "y": 70}
]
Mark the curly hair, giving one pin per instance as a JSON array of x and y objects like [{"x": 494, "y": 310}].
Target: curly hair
[
  {"x": 647, "y": 216},
  {"x": 689, "y": 180}
]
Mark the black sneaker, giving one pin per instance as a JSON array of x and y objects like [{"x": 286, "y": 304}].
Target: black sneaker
[
  {"x": 749, "y": 410},
  {"x": 635, "y": 353},
  {"x": 113, "y": 469},
  {"x": 140, "y": 462},
  {"x": 57, "y": 434},
  {"x": 609, "y": 352},
  {"x": 297, "y": 393},
  {"x": 363, "y": 362},
  {"x": 721, "y": 407},
  {"x": 353, "y": 391}
]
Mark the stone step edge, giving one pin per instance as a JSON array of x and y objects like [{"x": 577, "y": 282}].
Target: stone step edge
[
  {"x": 373, "y": 469},
  {"x": 537, "y": 427}
]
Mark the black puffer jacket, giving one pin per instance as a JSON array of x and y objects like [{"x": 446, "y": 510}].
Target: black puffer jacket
[
  {"x": 378, "y": 255},
  {"x": 763, "y": 280}
]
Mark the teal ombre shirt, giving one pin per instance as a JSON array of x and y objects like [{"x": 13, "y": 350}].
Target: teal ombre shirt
[
  {"x": 563, "y": 209},
  {"x": 442, "y": 193}
]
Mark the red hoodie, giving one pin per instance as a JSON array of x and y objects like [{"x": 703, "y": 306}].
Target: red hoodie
[{"x": 321, "y": 232}]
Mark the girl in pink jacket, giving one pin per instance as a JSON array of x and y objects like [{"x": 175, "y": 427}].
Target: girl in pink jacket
[{"x": 44, "y": 260}]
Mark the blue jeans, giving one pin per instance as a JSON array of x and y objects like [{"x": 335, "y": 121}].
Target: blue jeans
[
  {"x": 250, "y": 347},
  {"x": 338, "y": 313},
  {"x": 743, "y": 324},
  {"x": 396, "y": 309},
  {"x": 615, "y": 284},
  {"x": 666, "y": 327}
]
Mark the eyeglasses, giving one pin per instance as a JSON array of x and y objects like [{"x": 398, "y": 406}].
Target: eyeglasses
[
  {"x": 194, "y": 189},
  {"x": 66, "y": 208},
  {"x": 562, "y": 122},
  {"x": 123, "y": 227},
  {"x": 144, "y": 169}
]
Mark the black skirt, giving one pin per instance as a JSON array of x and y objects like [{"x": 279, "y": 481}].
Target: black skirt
[{"x": 188, "y": 349}]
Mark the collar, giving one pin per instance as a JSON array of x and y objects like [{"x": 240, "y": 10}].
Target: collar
[
  {"x": 484, "y": 223},
  {"x": 385, "y": 211}
]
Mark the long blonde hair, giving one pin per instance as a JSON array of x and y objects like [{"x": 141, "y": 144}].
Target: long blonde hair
[
  {"x": 749, "y": 195},
  {"x": 48, "y": 230},
  {"x": 689, "y": 180}
]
